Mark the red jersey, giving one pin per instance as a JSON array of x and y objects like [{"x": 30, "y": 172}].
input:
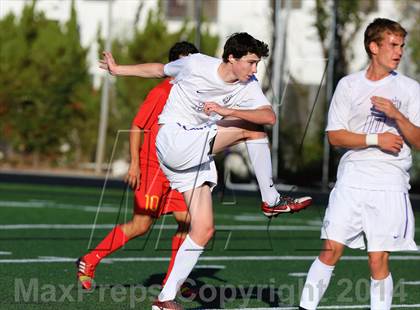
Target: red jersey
[{"x": 147, "y": 119}]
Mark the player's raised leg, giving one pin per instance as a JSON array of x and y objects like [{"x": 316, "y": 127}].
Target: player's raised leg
[{"x": 232, "y": 131}]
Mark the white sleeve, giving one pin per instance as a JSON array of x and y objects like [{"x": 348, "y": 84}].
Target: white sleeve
[
  {"x": 340, "y": 107},
  {"x": 254, "y": 97},
  {"x": 174, "y": 68},
  {"x": 414, "y": 106}
]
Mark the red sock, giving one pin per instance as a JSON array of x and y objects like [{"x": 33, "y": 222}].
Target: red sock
[
  {"x": 112, "y": 242},
  {"x": 176, "y": 243}
]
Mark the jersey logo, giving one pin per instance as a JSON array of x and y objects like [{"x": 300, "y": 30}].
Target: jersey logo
[
  {"x": 376, "y": 120},
  {"x": 227, "y": 99}
]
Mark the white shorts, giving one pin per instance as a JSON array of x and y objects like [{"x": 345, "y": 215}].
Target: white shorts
[
  {"x": 384, "y": 217},
  {"x": 184, "y": 155}
]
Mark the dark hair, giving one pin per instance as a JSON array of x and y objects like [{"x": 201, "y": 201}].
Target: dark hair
[
  {"x": 375, "y": 30},
  {"x": 241, "y": 43},
  {"x": 182, "y": 48}
]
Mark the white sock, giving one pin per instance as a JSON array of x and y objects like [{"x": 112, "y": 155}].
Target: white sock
[
  {"x": 381, "y": 293},
  {"x": 316, "y": 284},
  {"x": 259, "y": 154},
  {"x": 185, "y": 260}
]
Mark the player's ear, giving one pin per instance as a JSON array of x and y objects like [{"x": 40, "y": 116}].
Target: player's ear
[
  {"x": 373, "y": 47},
  {"x": 231, "y": 59}
]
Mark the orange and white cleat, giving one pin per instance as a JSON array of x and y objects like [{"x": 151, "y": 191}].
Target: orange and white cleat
[{"x": 85, "y": 273}]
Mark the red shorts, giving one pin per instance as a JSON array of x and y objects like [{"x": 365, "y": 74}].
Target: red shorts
[{"x": 155, "y": 196}]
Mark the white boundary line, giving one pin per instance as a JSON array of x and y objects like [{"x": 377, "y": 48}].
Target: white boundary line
[
  {"x": 37, "y": 204},
  {"x": 109, "y": 226},
  {"x": 54, "y": 259},
  {"x": 161, "y": 226},
  {"x": 411, "y": 282}
]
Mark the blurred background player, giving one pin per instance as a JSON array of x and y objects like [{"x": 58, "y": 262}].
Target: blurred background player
[
  {"x": 214, "y": 103},
  {"x": 375, "y": 114},
  {"x": 152, "y": 193}
]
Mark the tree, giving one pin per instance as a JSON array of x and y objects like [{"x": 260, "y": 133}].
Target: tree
[
  {"x": 349, "y": 19},
  {"x": 47, "y": 100},
  {"x": 411, "y": 11},
  {"x": 350, "y": 16},
  {"x": 45, "y": 86},
  {"x": 304, "y": 156}
]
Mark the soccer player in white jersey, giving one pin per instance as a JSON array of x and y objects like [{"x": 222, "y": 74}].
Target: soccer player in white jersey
[
  {"x": 213, "y": 104},
  {"x": 375, "y": 114}
]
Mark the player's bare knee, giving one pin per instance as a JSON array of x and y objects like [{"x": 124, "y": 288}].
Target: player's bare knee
[
  {"x": 330, "y": 256},
  {"x": 329, "y": 260},
  {"x": 137, "y": 227},
  {"x": 378, "y": 263},
  {"x": 202, "y": 235},
  {"x": 131, "y": 231}
]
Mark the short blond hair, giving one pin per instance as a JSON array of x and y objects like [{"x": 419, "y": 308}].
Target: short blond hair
[{"x": 374, "y": 32}]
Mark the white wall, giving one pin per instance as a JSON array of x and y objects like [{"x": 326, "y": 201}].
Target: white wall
[
  {"x": 304, "y": 55},
  {"x": 233, "y": 16}
]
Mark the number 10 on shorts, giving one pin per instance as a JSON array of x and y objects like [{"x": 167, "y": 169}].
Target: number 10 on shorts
[{"x": 152, "y": 202}]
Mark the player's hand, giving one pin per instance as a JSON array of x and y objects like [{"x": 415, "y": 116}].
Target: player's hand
[
  {"x": 390, "y": 142},
  {"x": 133, "y": 177},
  {"x": 386, "y": 106},
  {"x": 108, "y": 63},
  {"x": 213, "y": 107}
]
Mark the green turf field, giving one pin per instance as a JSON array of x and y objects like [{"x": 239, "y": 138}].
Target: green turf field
[{"x": 251, "y": 262}]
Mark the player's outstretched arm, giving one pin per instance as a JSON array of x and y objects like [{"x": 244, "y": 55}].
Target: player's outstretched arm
[
  {"x": 386, "y": 141},
  {"x": 410, "y": 131},
  {"x": 261, "y": 116},
  {"x": 146, "y": 70}
]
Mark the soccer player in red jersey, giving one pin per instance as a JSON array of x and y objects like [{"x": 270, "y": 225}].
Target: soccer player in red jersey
[{"x": 153, "y": 195}]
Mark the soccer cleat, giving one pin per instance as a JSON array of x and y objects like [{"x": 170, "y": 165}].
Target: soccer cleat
[
  {"x": 286, "y": 204},
  {"x": 166, "y": 305},
  {"x": 85, "y": 273}
]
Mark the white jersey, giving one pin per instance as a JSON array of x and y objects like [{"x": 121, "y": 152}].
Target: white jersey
[
  {"x": 351, "y": 109},
  {"x": 196, "y": 82}
]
